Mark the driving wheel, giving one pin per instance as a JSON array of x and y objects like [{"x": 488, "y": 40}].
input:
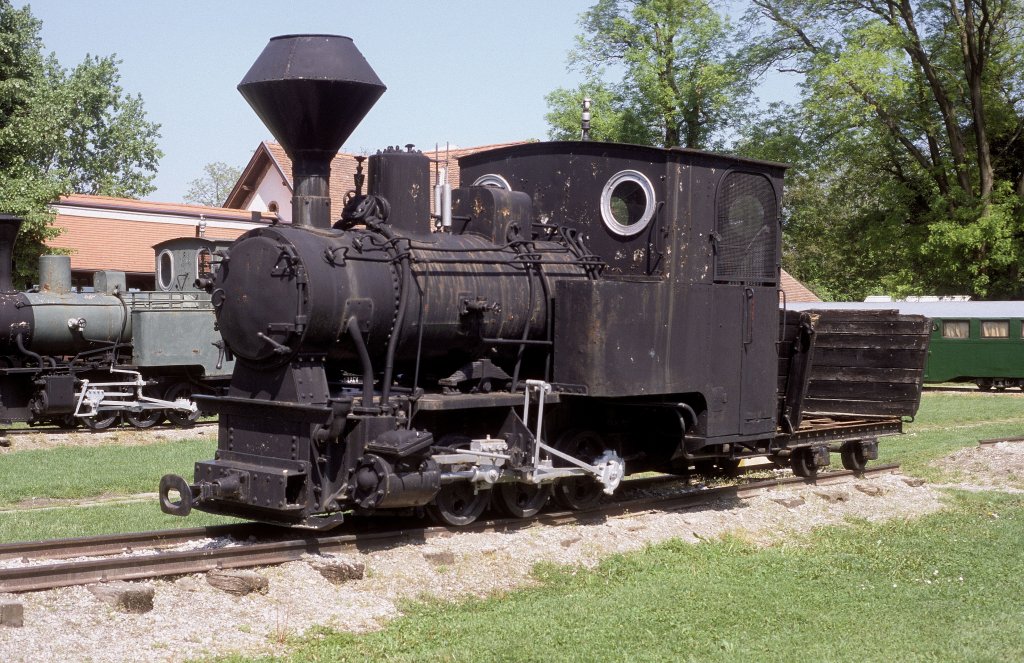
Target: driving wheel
[
  {"x": 579, "y": 492},
  {"x": 144, "y": 418},
  {"x": 177, "y": 417},
  {"x": 460, "y": 503},
  {"x": 101, "y": 421},
  {"x": 521, "y": 500}
]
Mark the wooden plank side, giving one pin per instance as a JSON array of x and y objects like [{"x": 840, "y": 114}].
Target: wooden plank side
[
  {"x": 869, "y": 357},
  {"x": 869, "y": 374},
  {"x": 873, "y": 327},
  {"x": 872, "y": 342},
  {"x": 866, "y": 391}
]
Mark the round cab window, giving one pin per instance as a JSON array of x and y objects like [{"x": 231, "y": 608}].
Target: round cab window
[
  {"x": 627, "y": 202},
  {"x": 165, "y": 275},
  {"x": 492, "y": 180}
]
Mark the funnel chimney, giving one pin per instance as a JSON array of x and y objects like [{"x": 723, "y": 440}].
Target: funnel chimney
[
  {"x": 311, "y": 91},
  {"x": 9, "y": 225}
]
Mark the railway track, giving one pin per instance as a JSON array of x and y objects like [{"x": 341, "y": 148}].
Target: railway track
[
  {"x": 55, "y": 430},
  {"x": 64, "y": 562}
]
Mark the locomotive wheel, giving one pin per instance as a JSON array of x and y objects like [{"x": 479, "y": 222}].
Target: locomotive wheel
[
  {"x": 145, "y": 418},
  {"x": 521, "y": 500},
  {"x": 579, "y": 492},
  {"x": 984, "y": 385},
  {"x": 100, "y": 421},
  {"x": 853, "y": 457},
  {"x": 177, "y": 417},
  {"x": 802, "y": 462},
  {"x": 457, "y": 505}
]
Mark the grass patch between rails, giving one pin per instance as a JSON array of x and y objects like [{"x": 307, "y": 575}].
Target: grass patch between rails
[
  {"x": 77, "y": 472},
  {"x": 936, "y": 589},
  {"x": 37, "y": 525}
]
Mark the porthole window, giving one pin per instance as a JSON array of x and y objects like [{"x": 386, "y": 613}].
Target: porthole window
[
  {"x": 165, "y": 270},
  {"x": 492, "y": 180},
  {"x": 627, "y": 203},
  {"x": 272, "y": 207}
]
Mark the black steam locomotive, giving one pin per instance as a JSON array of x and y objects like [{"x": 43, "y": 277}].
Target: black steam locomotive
[
  {"x": 580, "y": 312},
  {"x": 100, "y": 357}
]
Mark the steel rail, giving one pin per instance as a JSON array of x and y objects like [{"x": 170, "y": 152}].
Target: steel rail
[
  {"x": 116, "y": 544},
  {"x": 118, "y": 566},
  {"x": 997, "y": 440},
  {"x": 52, "y": 429}
]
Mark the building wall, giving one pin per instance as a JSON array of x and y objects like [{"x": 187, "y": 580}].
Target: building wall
[
  {"x": 273, "y": 190},
  {"x": 100, "y": 232}
]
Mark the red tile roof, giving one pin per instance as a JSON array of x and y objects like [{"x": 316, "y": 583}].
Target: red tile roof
[
  {"x": 796, "y": 291},
  {"x": 119, "y": 233}
]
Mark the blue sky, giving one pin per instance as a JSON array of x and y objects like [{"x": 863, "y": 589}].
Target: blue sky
[{"x": 469, "y": 73}]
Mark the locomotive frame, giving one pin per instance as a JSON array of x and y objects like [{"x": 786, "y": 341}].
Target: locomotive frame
[{"x": 581, "y": 312}]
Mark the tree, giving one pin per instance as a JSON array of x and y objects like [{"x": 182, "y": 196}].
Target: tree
[
  {"x": 613, "y": 118},
  {"x": 680, "y": 82},
  {"x": 213, "y": 187},
  {"x": 911, "y": 169},
  {"x": 63, "y": 132}
]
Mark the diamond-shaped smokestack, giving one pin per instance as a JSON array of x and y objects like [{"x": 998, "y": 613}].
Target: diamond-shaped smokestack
[{"x": 311, "y": 91}]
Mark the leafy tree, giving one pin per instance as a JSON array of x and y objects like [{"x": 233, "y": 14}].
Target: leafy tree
[
  {"x": 214, "y": 186},
  {"x": 680, "y": 82},
  {"x": 910, "y": 166},
  {"x": 613, "y": 119},
  {"x": 63, "y": 132}
]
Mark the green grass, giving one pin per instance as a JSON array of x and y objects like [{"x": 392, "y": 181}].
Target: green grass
[
  {"x": 944, "y": 588},
  {"x": 35, "y": 525},
  {"x": 77, "y": 472}
]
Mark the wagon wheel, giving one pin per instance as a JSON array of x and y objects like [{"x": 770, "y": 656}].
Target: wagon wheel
[
  {"x": 984, "y": 384},
  {"x": 177, "y": 417},
  {"x": 144, "y": 418},
  {"x": 521, "y": 500},
  {"x": 457, "y": 504},
  {"x": 802, "y": 462},
  {"x": 853, "y": 456},
  {"x": 101, "y": 421},
  {"x": 579, "y": 492}
]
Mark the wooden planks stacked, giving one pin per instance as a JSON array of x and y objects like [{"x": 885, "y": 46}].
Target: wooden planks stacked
[{"x": 867, "y": 362}]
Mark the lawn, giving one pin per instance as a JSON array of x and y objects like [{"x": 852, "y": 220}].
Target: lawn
[
  {"x": 946, "y": 587},
  {"x": 81, "y": 473},
  {"x": 78, "y": 472}
]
